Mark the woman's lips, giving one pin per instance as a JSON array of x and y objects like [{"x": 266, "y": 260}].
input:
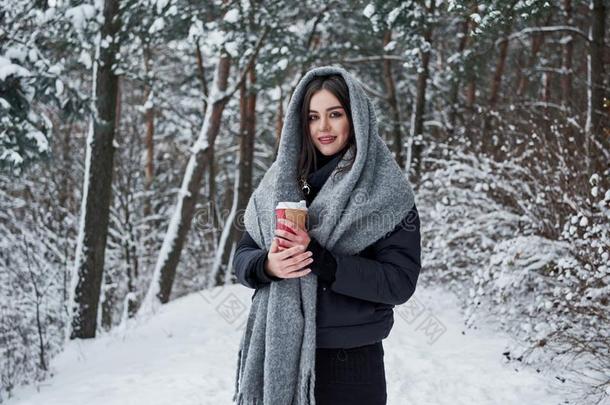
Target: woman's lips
[{"x": 327, "y": 139}]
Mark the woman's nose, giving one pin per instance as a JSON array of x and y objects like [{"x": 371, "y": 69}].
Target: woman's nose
[{"x": 323, "y": 124}]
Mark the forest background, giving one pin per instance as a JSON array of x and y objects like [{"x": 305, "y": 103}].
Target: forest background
[{"x": 132, "y": 133}]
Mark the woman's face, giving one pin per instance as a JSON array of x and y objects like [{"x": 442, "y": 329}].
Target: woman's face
[{"x": 328, "y": 123}]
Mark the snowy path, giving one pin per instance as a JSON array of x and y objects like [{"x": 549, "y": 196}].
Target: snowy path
[{"x": 186, "y": 355}]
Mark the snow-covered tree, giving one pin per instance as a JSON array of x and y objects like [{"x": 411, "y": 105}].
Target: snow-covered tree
[{"x": 97, "y": 185}]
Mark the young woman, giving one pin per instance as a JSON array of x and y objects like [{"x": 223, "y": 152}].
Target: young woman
[{"x": 324, "y": 302}]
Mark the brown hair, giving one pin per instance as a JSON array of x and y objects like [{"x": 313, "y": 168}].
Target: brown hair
[{"x": 336, "y": 85}]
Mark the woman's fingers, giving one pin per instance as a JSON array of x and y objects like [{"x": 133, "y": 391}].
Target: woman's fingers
[
  {"x": 288, "y": 224},
  {"x": 296, "y": 274},
  {"x": 297, "y": 264},
  {"x": 289, "y": 244},
  {"x": 292, "y": 259},
  {"x": 290, "y": 252},
  {"x": 293, "y": 229},
  {"x": 274, "y": 246},
  {"x": 285, "y": 234},
  {"x": 298, "y": 258},
  {"x": 289, "y": 239}
]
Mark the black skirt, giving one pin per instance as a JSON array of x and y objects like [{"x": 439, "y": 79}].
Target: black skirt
[{"x": 351, "y": 376}]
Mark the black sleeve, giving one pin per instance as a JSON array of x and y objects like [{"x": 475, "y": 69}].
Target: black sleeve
[
  {"x": 249, "y": 263},
  {"x": 391, "y": 276},
  {"x": 324, "y": 264}
]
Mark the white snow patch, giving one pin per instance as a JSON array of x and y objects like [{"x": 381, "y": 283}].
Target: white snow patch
[
  {"x": 157, "y": 25},
  {"x": 369, "y": 10},
  {"x": 80, "y": 14},
  {"x": 232, "y": 16},
  {"x": 41, "y": 141},
  {"x": 187, "y": 354},
  {"x": 7, "y": 68}
]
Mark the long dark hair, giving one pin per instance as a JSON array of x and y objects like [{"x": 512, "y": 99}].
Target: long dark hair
[{"x": 307, "y": 158}]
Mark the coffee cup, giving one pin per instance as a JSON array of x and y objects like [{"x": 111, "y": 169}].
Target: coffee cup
[{"x": 295, "y": 212}]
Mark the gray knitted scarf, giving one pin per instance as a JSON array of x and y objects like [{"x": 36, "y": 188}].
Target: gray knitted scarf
[{"x": 276, "y": 360}]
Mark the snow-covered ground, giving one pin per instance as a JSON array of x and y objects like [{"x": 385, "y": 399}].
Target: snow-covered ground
[{"x": 186, "y": 354}]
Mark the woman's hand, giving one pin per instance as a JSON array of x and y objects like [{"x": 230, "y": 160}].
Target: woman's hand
[
  {"x": 295, "y": 237},
  {"x": 287, "y": 263}
]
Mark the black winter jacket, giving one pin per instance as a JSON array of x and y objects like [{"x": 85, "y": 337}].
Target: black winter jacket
[{"x": 356, "y": 293}]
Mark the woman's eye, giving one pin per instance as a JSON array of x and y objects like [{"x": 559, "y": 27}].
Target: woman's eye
[{"x": 332, "y": 115}]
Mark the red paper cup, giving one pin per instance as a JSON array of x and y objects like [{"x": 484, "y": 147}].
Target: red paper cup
[{"x": 294, "y": 212}]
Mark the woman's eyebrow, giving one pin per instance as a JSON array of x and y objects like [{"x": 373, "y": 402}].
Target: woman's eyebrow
[{"x": 328, "y": 109}]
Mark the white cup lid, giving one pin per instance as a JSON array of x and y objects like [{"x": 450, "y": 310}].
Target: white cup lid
[{"x": 301, "y": 205}]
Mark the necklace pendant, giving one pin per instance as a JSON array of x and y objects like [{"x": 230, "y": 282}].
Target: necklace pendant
[{"x": 304, "y": 186}]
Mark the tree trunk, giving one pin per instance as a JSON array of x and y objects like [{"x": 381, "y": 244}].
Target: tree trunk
[
  {"x": 547, "y": 76},
  {"x": 417, "y": 123},
  {"x": 180, "y": 223},
  {"x": 91, "y": 248},
  {"x": 212, "y": 189},
  {"x": 537, "y": 41},
  {"x": 471, "y": 93},
  {"x": 149, "y": 116},
  {"x": 201, "y": 74},
  {"x": 595, "y": 139},
  {"x": 108, "y": 297},
  {"x": 246, "y": 163},
  {"x": 212, "y": 212},
  {"x": 215, "y": 212},
  {"x": 108, "y": 302},
  {"x": 489, "y": 141},
  {"x": 566, "y": 57},
  {"x": 167, "y": 262},
  {"x": 243, "y": 180},
  {"x": 66, "y": 200},
  {"x": 546, "y": 86},
  {"x": 471, "y": 85},
  {"x": 455, "y": 85},
  {"x": 388, "y": 77},
  {"x": 496, "y": 82},
  {"x": 131, "y": 262}
]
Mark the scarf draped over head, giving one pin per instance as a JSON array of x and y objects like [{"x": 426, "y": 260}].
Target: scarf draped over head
[{"x": 276, "y": 359}]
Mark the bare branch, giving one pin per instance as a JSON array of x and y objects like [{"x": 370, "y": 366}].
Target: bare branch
[
  {"x": 553, "y": 28},
  {"x": 365, "y": 59}
]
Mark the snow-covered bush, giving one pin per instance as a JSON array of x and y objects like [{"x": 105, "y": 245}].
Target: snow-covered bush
[
  {"x": 35, "y": 250},
  {"x": 496, "y": 253},
  {"x": 23, "y": 132},
  {"x": 555, "y": 294},
  {"x": 37, "y": 80},
  {"x": 463, "y": 219}
]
